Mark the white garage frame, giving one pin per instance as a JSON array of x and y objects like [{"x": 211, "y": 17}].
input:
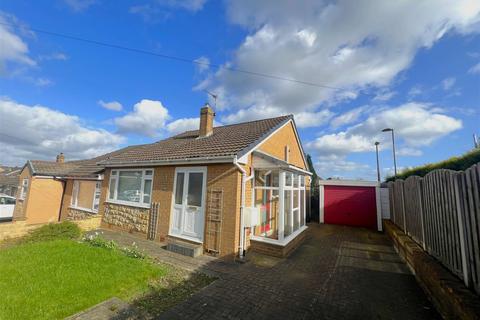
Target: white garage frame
[{"x": 351, "y": 183}]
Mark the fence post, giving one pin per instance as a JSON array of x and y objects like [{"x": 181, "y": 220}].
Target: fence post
[
  {"x": 461, "y": 229},
  {"x": 420, "y": 207}
]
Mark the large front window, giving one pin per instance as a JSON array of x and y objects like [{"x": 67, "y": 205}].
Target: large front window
[
  {"x": 280, "y": 198},
  {"x": 131, "y": 186}
]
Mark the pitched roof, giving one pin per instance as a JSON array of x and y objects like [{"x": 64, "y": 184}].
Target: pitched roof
[
  {"x": 10, "y": 178},
  {"x": 225, "y": 141},
  {"x": 79, "y": 168}
]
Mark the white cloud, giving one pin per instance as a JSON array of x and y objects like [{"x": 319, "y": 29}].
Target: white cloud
[
  {"x": 475, "y": 69},
  {"x": 412, "y": 152},
  {"x": 345, "y": 44},
  {"x": 202, "y": 64},
  {"x": 415, "y": 91},
  {"x": 191, "y": 5},
  {"x": 53, "y": 56},
  {"x": 348, "y": 117},
  {"x": 313, "y": 119},
  {"x": 147, "y": 118},
  {"x": 186, "y": 124},
  {"x": 448, "y": 83},
  {"x": 38, "y": 132},
  {"x": 79, "y": 5},
  {"x": 384, "y": 95},
  {"x": 342, "y": 169},
  {"x": 415, "y": 125},
  {"x": 13, "y": 48},
  {"x": 112, "y": 105},
  {"x": 158, "y": 10},
  {"x": 181, "y": 125}
]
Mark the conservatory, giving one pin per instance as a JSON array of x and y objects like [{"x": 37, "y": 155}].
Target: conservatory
[{"x": 280, "y": 197}]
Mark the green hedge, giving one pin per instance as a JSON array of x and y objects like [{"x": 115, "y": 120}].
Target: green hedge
[{"x": 462, "y": 162}]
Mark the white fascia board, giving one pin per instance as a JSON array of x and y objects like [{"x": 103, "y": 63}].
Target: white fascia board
[{"x": 353, "y": 183}]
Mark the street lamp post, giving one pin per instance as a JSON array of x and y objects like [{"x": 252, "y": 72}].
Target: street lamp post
[
  {"x": 393, "y": 144},
  {"x": 378, "y": 164}
]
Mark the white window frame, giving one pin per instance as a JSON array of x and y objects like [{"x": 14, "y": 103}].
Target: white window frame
[
  {"x": 115, "y": 174},
  {"x": 23, "y": 192},
  {"x": 282, "y": 239}
]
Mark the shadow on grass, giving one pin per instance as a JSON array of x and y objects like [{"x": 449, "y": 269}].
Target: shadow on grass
[{"x": 164, "y": 293}]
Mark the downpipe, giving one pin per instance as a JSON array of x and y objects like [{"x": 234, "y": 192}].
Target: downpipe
[{"x": 242, "y": 206}]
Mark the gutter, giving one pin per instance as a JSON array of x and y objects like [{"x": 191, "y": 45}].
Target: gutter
[{"x": 222, "y": 159}]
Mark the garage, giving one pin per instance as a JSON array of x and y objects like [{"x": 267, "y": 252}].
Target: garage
[{"x": 350, "y": 203}]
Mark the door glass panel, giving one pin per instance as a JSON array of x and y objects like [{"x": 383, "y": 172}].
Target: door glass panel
[
  {"x": 179, "y": 188},
  {"x": 195, "y": 183}
]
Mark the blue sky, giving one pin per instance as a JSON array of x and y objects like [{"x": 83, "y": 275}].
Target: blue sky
[{"x": 414, "y": 66}]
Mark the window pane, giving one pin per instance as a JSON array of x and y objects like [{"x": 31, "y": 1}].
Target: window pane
[
  {"x": 302, "y": 208},
  {"x": 179, "y": 188},
  {"x": 114, "y": 173},
  {"x": 129, "y": 184},
  {"x": 195, "y": 184},
  {"x": 287, "y": 208},
  {"x": 111, "y": 190},
  {"x": 288, "y": 179},
  {"x": 9, "y": 201},
  {"x": 267, "y": 201},
  {"x": 302, "y": 181},
  {"x": 295, "y": 181},
  {"x": 266, "y": 178},
  {"x": 148, "y": 172},
  {"x": 147, "y": 189}
]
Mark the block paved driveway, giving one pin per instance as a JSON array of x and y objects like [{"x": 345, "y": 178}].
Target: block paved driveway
[{"x": 338, "y": 273}]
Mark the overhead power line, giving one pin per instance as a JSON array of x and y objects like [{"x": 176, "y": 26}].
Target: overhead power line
[{"x": 171, "y": 57}]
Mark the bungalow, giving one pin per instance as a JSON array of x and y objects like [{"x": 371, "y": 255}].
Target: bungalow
[
  {"x": 218, "y": 190},
  {"x": 222, "y": 190}
]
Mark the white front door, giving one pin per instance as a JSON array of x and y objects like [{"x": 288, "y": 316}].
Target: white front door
[{"x": 188, "y": 209}]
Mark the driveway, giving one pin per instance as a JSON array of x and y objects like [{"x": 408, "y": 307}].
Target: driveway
[{"x": 338, "y": 273}]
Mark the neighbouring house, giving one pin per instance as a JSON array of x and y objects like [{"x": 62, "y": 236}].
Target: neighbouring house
[
  {"x": 51, "y": 191},
  {"x": 9, "y": 180},
  {"x": 222, "y": 189}
]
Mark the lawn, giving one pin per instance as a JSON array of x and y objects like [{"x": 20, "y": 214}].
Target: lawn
[{"x": 57, "y": 278}]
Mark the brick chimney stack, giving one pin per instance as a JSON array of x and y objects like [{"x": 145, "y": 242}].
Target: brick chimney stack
[
  {"x": 206, "y": 121},
  {"x": 60, "y": 158}
]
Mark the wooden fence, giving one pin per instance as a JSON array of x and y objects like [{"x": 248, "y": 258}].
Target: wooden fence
[{"x": 441, "y": 212}]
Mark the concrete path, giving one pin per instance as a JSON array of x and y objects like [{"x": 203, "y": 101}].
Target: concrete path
[{"x": 338, "y": 273}]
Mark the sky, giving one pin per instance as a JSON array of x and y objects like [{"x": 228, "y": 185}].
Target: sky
[{"x": 344, "y": 69}]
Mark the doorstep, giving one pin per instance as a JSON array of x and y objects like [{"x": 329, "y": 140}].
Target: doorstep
[{"x": 184, "y": 247}]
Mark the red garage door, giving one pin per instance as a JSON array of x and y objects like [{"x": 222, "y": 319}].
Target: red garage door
[{"x": 350, "y": 205}]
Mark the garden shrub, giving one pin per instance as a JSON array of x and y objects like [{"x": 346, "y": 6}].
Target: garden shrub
[{"x": 54, "y": 231}]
